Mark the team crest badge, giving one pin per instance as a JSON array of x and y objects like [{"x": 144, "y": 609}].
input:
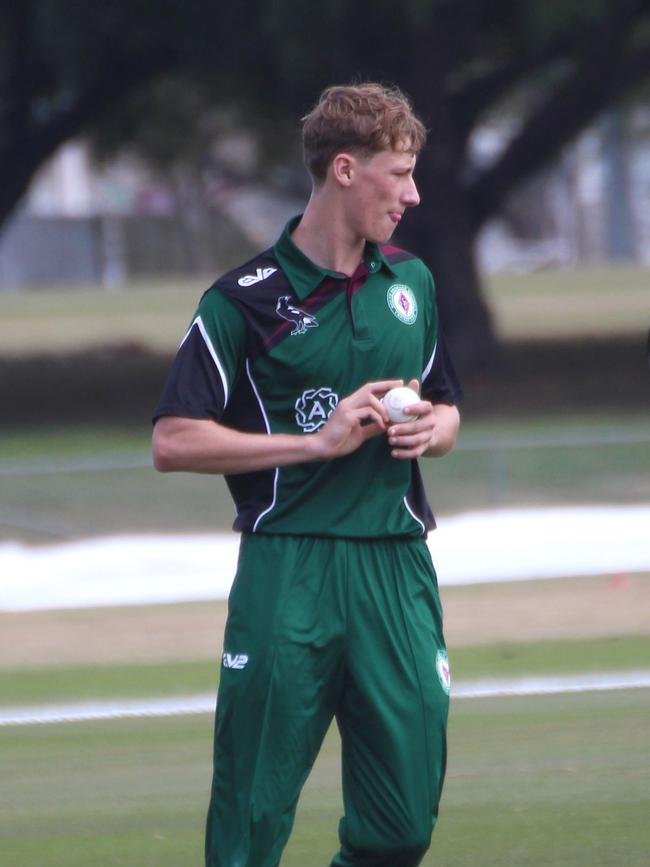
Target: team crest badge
[
  {"x": 314, "y": 407},
  {"x": 402, "y": 303},
  {"x": 444, "y": 673}
]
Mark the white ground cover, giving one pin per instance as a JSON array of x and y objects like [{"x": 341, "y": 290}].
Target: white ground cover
[{"x": 501, "y": 545}]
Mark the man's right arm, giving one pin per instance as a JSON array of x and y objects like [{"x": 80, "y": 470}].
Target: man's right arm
[{"x": 206, "y": 446}]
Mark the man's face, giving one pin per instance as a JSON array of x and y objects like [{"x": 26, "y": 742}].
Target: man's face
[{"x": 382, "y": 189}]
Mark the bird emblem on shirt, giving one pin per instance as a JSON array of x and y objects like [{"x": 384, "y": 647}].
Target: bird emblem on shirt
[{"x": 300, "y": 319}]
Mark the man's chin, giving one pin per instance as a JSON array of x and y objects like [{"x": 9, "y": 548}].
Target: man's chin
[{"x": 384, "y": 239}]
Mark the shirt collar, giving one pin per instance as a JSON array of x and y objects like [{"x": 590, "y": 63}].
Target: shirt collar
[{"x": 305, "y": 275}]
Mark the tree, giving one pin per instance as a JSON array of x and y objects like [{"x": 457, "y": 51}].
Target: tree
[{"x": 68, "y": 68}]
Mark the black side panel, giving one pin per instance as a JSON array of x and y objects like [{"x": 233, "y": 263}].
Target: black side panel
[
  {"x": 442, "y": 384},
  {"x": 417, "y": 499},
  {"x": 252, "y": 492}
]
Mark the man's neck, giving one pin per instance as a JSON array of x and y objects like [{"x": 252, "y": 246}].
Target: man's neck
[{"x": 326, "y": 240}]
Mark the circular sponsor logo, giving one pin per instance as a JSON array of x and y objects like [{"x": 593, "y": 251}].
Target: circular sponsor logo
[
  {"x": 402, "y": 303},
  {"x": 314, "y": 407},
  {"x": 442, "y": 667}
]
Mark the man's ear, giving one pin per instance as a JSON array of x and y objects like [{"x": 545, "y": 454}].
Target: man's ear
[{"x": 343, "y": 166}]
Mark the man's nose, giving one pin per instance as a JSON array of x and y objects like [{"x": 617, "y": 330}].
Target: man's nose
[{"x": 411, "y": 196}]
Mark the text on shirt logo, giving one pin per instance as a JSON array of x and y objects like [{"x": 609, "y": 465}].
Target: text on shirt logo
[
  {"x": 235, "y": 660},
  {"x": 314, "y": 407},
  {"x": 261, "y": 274}
]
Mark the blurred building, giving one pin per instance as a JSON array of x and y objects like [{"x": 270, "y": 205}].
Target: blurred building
[
  {"x": 86, "y": 224},
  {"x": 81, "y": 223},
  {"x": 592, "y": 205}
]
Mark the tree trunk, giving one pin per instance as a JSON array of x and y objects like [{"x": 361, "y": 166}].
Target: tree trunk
[
  {"x": 16, "y": 177},
  {"x": 439, "y": 231}
]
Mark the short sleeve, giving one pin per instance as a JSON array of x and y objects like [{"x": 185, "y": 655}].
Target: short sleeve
[
  {"x": 440, "y": 383},
  {"x": 207, "y": 363}
]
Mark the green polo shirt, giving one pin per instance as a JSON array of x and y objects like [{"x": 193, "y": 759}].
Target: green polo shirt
[{"x": 273, "y": 347}]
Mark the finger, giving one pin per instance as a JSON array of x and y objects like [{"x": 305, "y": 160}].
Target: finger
[
  {"x": 371, "y": 415},
  {"x": 409, "y": 442},
  {"x": 412, "y": 447},
  {"x": 407, "y": 428},
  {"x": 368, "y": 393},
  {"x": 380, "y": 387},
  {"x": 384, "y": 385},
  {"x": 421, "y": 408},
  {"x": 364, "y": 399},
  {"x": 407, "y": 454},
  {"x": 414, "y": 384},
  {"x": 372, "y": 429},
  {"x": 379, "y": 407}
]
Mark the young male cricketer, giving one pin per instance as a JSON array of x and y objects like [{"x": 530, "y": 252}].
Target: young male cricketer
[{"x": 334, "y": 611}]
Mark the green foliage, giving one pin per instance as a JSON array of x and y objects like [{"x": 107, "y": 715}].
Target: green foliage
[
  {"x": 166, "y": 81},
  {"x": 271, "y": 57}
]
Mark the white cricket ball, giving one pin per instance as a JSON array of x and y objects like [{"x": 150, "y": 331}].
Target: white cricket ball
[{"x": 396, "y": 400}]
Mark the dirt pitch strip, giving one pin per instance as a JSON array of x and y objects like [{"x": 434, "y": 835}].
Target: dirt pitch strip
[{"x": 509, "y": 612}]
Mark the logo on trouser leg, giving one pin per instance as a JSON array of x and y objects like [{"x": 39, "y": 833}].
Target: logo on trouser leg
[
  {"x": 235, "y": 660},
  {"x": 442, "y": 667}
]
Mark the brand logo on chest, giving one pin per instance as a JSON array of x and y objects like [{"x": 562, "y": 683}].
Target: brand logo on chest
[
  {"x": 402, "y": 303},
  {"x": 314, "y": 407},
  {"x": 259, "y": 275}
]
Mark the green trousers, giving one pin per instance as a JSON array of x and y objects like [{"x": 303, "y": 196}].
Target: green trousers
[{"x": 322, "y": 628}]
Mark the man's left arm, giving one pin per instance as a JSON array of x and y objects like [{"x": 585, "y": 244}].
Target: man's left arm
[{"x": 446, "y": 422}]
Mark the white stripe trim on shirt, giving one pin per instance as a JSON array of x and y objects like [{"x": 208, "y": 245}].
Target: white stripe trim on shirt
[
  {"x": 268, "y": 430},
  {"x": 427, "y": 369},
  {"x": 220, "y": 367},
  {"x": 414, "y": 516}
]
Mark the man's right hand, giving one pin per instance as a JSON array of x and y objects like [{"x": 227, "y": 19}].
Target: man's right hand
[{"x": 345, "y": 430}]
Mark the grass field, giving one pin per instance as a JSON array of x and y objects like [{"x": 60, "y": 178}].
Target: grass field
[
  {"x": 58, "y": 483},
  {"x": 558, "y": 781},
  {"x": 154, "y": 315},
  {"x": 24, "y": 686},
  {"x": 567, "y": 303},
  {"x": 585, "y": 302},
  {"x": 555, "y": 781}
]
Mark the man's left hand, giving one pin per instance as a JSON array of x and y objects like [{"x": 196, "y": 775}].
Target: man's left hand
[{"x": 432, "y": 433}]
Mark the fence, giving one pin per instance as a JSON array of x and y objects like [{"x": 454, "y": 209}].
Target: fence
[
  {"x": 104, "y": 492},
  {"x": 107, "y": 250}
]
